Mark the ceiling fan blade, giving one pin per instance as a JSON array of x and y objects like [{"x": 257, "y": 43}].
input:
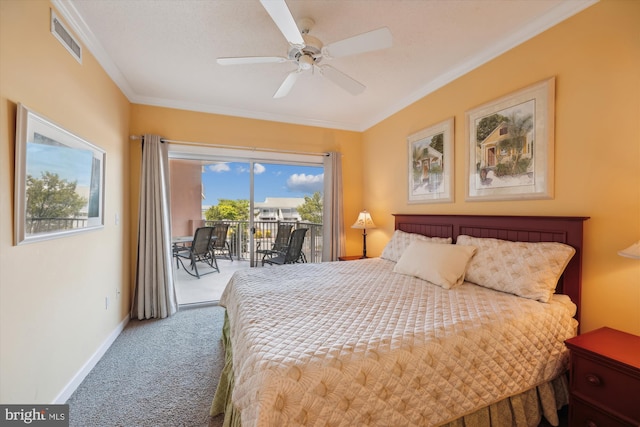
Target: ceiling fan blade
[
  {"x": 282, "y": 17},
  {"x": 287, "y": 84},
  {"x": 341, "y": 79},
  {"x": 365, "y": 42},
  {"x": 240, "y": 60}
]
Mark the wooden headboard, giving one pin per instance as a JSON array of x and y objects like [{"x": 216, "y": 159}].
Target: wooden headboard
[{"x": 567, "y": 230}]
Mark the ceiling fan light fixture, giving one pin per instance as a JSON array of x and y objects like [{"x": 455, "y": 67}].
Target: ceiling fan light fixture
[{"x": 306, "y": 62}]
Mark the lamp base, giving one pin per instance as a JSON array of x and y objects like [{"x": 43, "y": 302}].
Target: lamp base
[{"x": 364, "y": 244}]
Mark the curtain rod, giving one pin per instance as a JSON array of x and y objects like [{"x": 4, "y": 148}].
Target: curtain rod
[{"x": 233, "y": 147}]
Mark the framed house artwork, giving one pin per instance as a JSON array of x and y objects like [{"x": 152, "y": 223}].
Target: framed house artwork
[
  {"x": 430, "y": 153},
  {"x": 511, "y": 145},
  {"x": 59, "y": 181}
]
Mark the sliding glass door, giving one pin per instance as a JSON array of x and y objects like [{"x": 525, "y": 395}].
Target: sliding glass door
[
  {"x": 252, "y": 196},
  {"x": 289, "y": 194}
]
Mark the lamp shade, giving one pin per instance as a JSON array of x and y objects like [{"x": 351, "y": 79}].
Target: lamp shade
[
  {"x": 632, "y": 251},
  {"x": 364, "y": 221}
]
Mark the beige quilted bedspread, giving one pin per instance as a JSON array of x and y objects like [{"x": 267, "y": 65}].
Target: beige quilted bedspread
[{"x": 352, "y": 343}]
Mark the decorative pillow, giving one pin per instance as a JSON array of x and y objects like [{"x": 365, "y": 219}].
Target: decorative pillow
[
  {"x": 530, "y": 270},
  {"x": 401, "y": 240},
  {"x": 442, "y": 265}
]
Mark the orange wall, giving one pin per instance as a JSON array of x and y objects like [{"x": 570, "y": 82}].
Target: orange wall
[
  {"x": 52, "y": 293},
  {"x": 595, "y": 57}
]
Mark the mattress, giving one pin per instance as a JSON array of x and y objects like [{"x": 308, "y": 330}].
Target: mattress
[{"x": 353, "y": 343}]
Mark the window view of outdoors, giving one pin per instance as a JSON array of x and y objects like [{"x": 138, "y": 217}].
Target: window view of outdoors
[
  {"x": 283, "y": 195},
  {"x": 279, "y": 191}
]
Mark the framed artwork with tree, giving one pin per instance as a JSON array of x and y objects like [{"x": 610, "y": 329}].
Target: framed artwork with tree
[
  {"x": 59, "y": 180},
  {"x": 430, "y": 154},
  {"x": 511, "y": 145}
]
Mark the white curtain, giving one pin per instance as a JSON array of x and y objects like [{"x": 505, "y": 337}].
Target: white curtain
[
  {"x": 154, "y": 295},
  {"x": 333, "y": 244}
]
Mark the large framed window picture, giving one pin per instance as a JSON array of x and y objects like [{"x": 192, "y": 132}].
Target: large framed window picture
[
  {"x": 511, "y": 146},
  {"x": 59, "y": 180},
  {"x": 430, "y": 153}
]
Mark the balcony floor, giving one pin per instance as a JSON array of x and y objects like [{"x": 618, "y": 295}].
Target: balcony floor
[{"x": 207, "y": 289}]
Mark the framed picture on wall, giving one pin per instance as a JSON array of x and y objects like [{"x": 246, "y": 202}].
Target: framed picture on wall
[
  {"x": 59, "y": 180},
  {"x": 430, "y": 154},
  {"x": 511, "y": 144}
]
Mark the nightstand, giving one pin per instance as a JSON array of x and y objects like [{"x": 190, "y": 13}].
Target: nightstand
[
  {"x": 604, "y": 379},
  {"x": 349, "y": 257}
]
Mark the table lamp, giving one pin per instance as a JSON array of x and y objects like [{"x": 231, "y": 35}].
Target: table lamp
[{"x": 363, "y": 222}]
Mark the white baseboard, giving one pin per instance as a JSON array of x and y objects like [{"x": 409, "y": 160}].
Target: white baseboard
[{"x": 77, "y": 379}]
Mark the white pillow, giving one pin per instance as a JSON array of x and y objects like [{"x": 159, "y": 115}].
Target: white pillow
[
  {"x": 401, "y": 240},
  {"x": 530, "y": 270},
  {"x": 442, "y": 265}
]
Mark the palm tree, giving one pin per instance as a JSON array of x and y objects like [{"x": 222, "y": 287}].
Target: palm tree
[
  {"x": 416, "y": 160},
  {"x": 518, "y": 126}
]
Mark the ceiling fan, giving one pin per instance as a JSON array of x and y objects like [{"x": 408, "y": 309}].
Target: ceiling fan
[{"x": 308, "y": 51}]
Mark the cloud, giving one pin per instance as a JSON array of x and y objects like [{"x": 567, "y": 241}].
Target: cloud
[
  {"x": 257, "y": 169},
  {"x": 219, "y": 167},
  {"x": 303, "y": 183}
]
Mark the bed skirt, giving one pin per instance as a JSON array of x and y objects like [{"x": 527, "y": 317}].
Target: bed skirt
[{"x": 524, "y": 409}]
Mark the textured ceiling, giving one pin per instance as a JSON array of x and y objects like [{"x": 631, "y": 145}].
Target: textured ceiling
[{"x": 163, "y": 52}]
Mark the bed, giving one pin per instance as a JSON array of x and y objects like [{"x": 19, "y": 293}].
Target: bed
[{"x": 455, "y": 324}]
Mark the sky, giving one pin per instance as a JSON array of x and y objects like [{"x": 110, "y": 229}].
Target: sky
[
  {"x": 69, "y": 163},
  {"x": 230, "y": 180}
]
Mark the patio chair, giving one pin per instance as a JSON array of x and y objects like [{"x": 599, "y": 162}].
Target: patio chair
[
  {"x": 293, "y": 254},
  {"x": 280, "y": 244},
  {"x": 221, "y": 244},
  {"x": 199, "y": 251}
]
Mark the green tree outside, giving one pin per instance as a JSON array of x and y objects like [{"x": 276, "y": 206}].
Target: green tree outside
[
  {"x": 53, "y": 198},
  {"x": 311, "y": 209},
  {"x": 227, "y": 209},
  {"x": 238, "y": 210}
]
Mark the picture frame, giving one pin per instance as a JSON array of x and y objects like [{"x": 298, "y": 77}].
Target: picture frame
[
  {"x": 59, "y": 180},
  {"x": 430, "y": 167},
  {"x": 510, "y": 153}
]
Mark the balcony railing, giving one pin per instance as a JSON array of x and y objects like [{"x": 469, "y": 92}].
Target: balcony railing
[
  {"x": 265, "y": 236},
  {"x": 42, "y": 225}
]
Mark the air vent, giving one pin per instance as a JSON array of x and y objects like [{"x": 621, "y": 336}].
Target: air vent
[{"x": 65, "y": 37}]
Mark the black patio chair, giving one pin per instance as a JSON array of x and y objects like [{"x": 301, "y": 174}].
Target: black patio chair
[
  {"x": 280, "y": 244},
  {"x": 199, "y": 251},
  {"x": 221, "y": 244},
  {"x": 293, "y": 254}
]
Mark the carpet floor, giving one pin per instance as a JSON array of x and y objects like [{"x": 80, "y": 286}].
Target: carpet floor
[{"x": 156, "y": 373}]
